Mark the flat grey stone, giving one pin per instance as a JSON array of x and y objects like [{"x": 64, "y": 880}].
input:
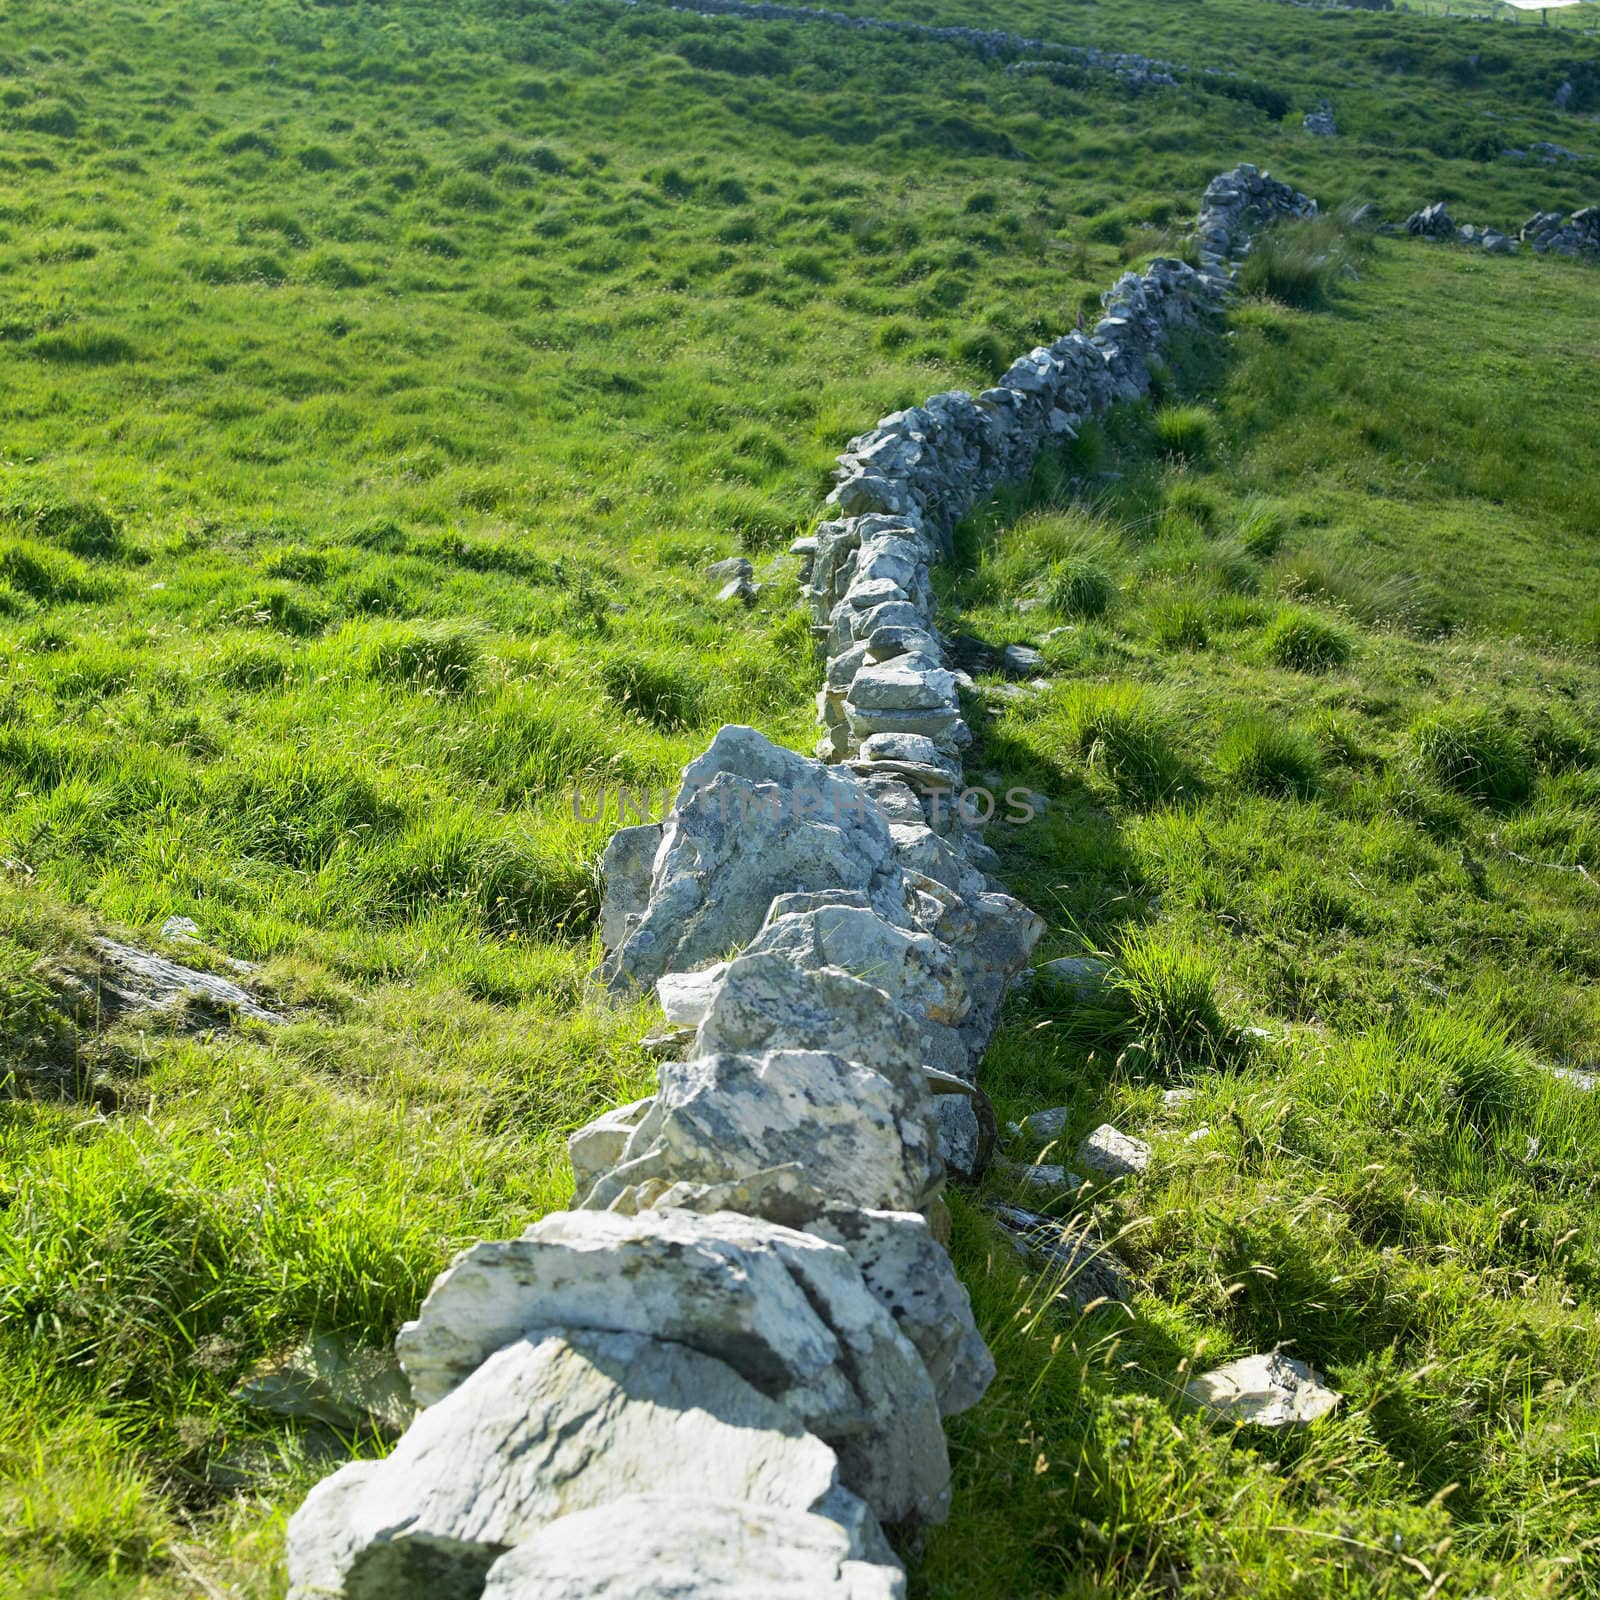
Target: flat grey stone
[
  {"x": 329, "y": 1379},
  {"x": 133, "y": 980},
  {"x": 1111, "y": 1154}
]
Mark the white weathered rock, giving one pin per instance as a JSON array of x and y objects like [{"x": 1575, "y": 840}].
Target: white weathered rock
[
  {"x": 732, "y": 567},
  {"x": 858, "y": 1134},
  {"x": 655, "y": 1548},
  {"x": 916, "y": 970},
  {"x": 625, "y": 870},
  {"x": 686, "y": 997},
  {"x": 1271, "y": 1391},
  {"x": 751, "y": 821},
  {"x": 598, "y": 1145},
  {"x": 903, "y": 1266},
  {"x": 791, "y": 1312},
  {"x": 554, "y": 1423},
  {"x": 904, "y": 683},
  {"x": 1173, "y": 1099},
  {"x": 730, "y": 1286},
  {"x": 767, "y": 1003},
  {"x": 1112, "y": 1154}
]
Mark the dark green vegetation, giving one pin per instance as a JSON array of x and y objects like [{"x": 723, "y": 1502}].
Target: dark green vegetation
[
  {"x": 377, "y": 380},
  {"x": 1354, "y": 803}
]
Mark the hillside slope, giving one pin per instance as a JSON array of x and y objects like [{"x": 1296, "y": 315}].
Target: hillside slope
[{"x": 378, "y": 382}]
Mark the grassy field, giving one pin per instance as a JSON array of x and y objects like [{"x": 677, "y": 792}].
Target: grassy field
[
  {"x": 1323, "y": 756},
  {"x": 377, "y": 381}
]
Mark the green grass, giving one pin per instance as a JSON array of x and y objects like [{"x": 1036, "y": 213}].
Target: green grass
[
  {"x": 1382, "y": 860},
  {"x": 377, "y": 386}
]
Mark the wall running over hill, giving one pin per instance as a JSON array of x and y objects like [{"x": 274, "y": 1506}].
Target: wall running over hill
[
  {"x": 733, "y": 1355},
  {"x": 1137, "y": 71}
]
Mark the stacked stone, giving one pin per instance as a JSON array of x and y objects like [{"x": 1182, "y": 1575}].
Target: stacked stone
[
  {"x": 1235, "y": 205},
  {"x": 904, "y": 485},
  {"x": 1577, "y": 235},
  {"x": 724, "y": 1370},
  {"x": 1435, "y": 222},
  {"x": 1321, "y": 122},
  {"x": 1431, "y": 222},
  {"x": 1491, "y": 240}
]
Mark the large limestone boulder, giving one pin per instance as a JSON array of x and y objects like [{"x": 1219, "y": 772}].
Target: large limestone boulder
[
  {"x": 555, "y": 1423},
  {"x": 751, "y": 821},
  {"x": 648, "y": 1547},
  {"x": 625, "y": 871},
  {"x": 768, "y": 1003},
  {"x": 859, "y": 1135},
  {"x": 789, "y": 1311},
  {"x": 842, "y": 978},
  {"x": 905, "y": 1268},
  {"x": 916, "y": 970}
]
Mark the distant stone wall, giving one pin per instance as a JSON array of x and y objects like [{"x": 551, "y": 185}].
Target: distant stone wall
[
  {"x": 1544, "y": 232},
  {"x": 1136, "y": 70},
  {"x": 725, "y": 1369}
]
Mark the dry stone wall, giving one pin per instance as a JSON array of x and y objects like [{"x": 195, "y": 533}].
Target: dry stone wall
[
  {"x": 725, "y": 1368},
  {"x": 1544, "y": 232}
]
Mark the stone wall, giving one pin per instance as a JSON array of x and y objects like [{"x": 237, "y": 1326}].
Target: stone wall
[
  {"x": 1544, "y": 232},
  {"x": 733, "y": 1354},
  {"x": 1136, "y": 71}
]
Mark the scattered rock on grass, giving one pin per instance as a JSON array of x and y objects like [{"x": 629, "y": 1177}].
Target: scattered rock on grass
[
  {"x": 1048, "y": 1125},
  {"x": 1113, "y": 1154},
  {"x": 133, "y": 980},
  {"x": 1271, "y": 1391},
  {"x": 1073, "y": 1251}
]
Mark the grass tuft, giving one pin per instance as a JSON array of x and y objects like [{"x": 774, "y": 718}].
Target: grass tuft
[
  {"x": 1302, "y": 642},
  {"x": 1471, "y": 750},
  {"x": 1113, "y": 727},
  {"x": 1186, "y": 432},
  {"x": 1170, "y": 989},
  {"x": 1260, "y": 756},
  {"x": 435, "y": 657},
  {"x": 1079, "y": 589}
]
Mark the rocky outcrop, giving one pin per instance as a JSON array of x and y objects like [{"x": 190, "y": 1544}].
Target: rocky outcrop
[{"x": 733, "y": 1354}]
